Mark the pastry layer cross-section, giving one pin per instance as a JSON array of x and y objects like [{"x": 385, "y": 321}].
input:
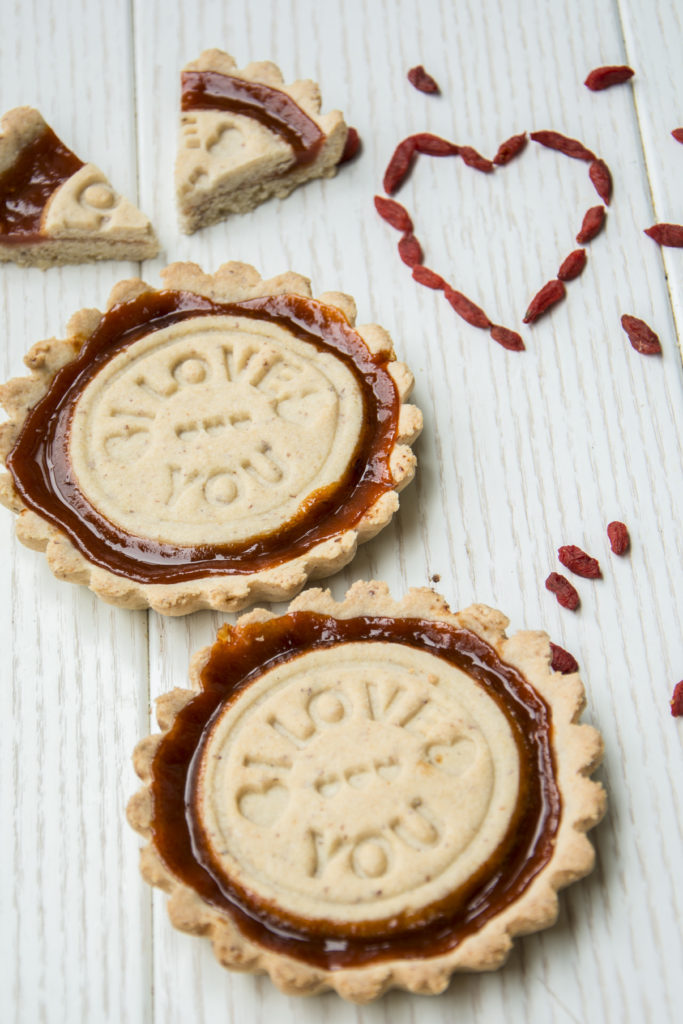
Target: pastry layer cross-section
[
  {"x": 246, "y": 136},
  {"x": 54, "y": 209}
]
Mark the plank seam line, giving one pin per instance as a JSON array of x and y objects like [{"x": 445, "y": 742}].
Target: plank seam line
[
  {"x": 136, "y": 121},
  {"x": 149, "y": 715},
  {"x": 653, "y": 204}
]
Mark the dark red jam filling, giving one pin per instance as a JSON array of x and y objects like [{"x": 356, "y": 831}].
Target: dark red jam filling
[
  {"x": 240, "y": 656},
  {"x": 43, "y": 476},
  {"x": 25, "y": 187},
  {"x": 274, "y": 109}
]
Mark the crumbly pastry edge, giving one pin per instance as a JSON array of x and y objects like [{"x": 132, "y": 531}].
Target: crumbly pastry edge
[
  {"x": 135, "y": 239},
  {"x": 232, "y": 282},
  {"x": 305, "y": 93},
  {"x": 577, "y": 751}
]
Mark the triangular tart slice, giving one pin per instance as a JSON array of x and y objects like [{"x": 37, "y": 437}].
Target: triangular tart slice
[
  {"x": 246, "y": 136},
  {"x": 55, "y": 209}
]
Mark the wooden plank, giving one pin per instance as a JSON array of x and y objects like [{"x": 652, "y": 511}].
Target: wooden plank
[
  {"x": 648, "y": 32},
  {"x": 75, "y": 917},
  {"x": 520, "y": 453}
]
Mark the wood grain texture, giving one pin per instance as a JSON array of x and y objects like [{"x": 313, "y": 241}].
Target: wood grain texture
[{"x": 521, "y": 453}]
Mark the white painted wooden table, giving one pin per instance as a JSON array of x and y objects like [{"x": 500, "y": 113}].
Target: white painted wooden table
[{"x": 520, "y": 453}]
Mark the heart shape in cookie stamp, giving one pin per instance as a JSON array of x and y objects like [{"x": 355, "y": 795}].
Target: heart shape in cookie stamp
[
  {"x": 263, "y": 805},
  {"x": 410, "y": 250}
]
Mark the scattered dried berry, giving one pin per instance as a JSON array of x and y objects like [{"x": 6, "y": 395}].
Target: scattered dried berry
[
  {"x": 422, "y": 80},
  {"x": 563, "y": 144},
  {"x": 677, "y": 700},
  {"x": 579, "y": 562},
  {"x": 351, "y": 146},
  {"x": 592, "y": 224},
  {"x": 436, "y": 578},
  {"x": 601, "y": 177},
  {"x": 678, "y": 134},
  {"x": 434, "y": 145},
  {"x": 467, "y": 309},
  {"x": 427, "y": 277},
  {"x": 399, "y": 165},
  {"x": 567, "y": 595},
  {"x": 509, "y": 149},
  {"x": 549, "y": 294},
  {"x": 642, "y": 337},
  {"x": 666, "y": 234},
  {"x": 476, "y": 160},
  {"x": 562, "y": 661},
  {"x": 393, "y": 213},
  {"x": 619, "y": 539},
  {"x": 507, "y": 338},
  {"x": 410, "y": 250},
  {"x": 572, "y": 266},
  {"x": 602, "y": 78}
]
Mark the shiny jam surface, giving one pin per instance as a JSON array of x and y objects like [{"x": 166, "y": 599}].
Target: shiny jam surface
[
  {"x": 43, "y": 475},
  {"x": 274, "y": 109},
  {"x": 238, "y": 657},
  {"x": 26, "y": 186}
]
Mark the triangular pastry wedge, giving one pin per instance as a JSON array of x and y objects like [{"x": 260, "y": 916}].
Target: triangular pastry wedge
[
  {"x": 246, "y": 136},
  {"x": 54, "y": 209}
]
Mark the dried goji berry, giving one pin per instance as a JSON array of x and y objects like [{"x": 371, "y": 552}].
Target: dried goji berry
[
  {"x": 427, "y": 277},
  {"x": 563, "y": 144},
  {"x": 572, "y": 266},
  {"x": 507, "y": 338},
  {"x": 422, "y": 80},
  {"x": 566, "y": 594},
  {"x": 666, "y": 234},
  {"x": 509, "y": 149},
  {"x": 677, "y": 700},
  {"x": 579, "y": 562},
  {"x": 393, "y": 213},
  {"x": 410, "y": 250},
  {"x": 618, "y": 537},
  {"x": 549, "y": 294},
  {"x": 602, "y": 78},
  {"x": 476, "y": 160},
  {"x": 562, "y": 661},
  {"x": 433, "y": 145},
  {"x": 351, "y": 146},
  {"x": 591, "y": 225},
  {"x": 467, "y": 309},
  {"x": 678, "y": 134},
  {"x": 399, "y": 165},
  {"x": 600, "y": 175},
  {"x": 641, "y": 336}
]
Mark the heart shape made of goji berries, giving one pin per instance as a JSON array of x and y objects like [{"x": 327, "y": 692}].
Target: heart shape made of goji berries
[{"x": 410, "y": 249}]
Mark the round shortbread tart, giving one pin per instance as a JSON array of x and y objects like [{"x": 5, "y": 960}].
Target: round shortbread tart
[
  {"x": 218, "y": 441},
  {"x": 368, "y": 794}
]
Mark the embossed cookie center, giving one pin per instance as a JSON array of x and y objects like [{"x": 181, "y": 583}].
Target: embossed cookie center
[
  {"x": 354, "y": 783},
  {"x": 213, "y": 430}
]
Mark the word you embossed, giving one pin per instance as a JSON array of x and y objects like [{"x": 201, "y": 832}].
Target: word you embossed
[{"x": 372, "y": 855}]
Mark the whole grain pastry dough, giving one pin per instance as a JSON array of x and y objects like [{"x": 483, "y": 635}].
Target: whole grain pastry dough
[
  {"x": 54, "y": 209},
  {"x": 246, "y": 135},
  {"x": 368, "y": 794},
  {"x": 217, "y": 441}
]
